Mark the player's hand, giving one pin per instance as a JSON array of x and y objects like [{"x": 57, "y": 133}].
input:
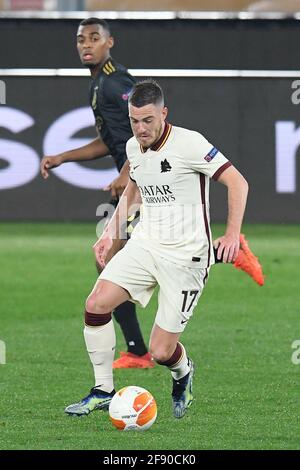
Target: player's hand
[
  {"x": 117, "y": 186},
  {"x": 228, "y": 248},
  {"x": 101, "y": 249},
  {"x": 49, "y": 162}
]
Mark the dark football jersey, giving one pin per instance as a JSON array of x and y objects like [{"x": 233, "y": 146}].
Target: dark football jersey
[{"x": 109, "y": 101}]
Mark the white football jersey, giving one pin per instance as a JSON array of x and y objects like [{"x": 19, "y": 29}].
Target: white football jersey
[{"x": 173, "y": 179}]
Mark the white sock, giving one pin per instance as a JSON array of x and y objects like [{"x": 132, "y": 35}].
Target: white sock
[
  {"x": 100, "y": 344},
  {"x": 181, "y": 368}
]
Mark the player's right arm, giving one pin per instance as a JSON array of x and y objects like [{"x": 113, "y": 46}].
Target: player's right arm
[
  {"x": 91, "y": 151},
  {"x": 129, "y": 202}
]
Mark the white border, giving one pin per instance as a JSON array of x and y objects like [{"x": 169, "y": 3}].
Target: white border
[
  {"x": 151, "y": 15},
  {"x": 189, "y": 73}
]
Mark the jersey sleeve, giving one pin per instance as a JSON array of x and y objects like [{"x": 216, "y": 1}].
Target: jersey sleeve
[
  {"x": 117, "y": 90},
  {"x": 203, "y": 157},
  {"x": 115, "y": 109}
]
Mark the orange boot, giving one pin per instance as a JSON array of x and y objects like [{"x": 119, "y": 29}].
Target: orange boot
[
  {"x": 247, "y": 261},
  {"x": 128, "y": 360}
]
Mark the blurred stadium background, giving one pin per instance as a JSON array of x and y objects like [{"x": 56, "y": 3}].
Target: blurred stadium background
[{"x": 230, "y": 69}]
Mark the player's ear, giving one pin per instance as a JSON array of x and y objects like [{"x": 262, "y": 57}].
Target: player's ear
[
  {"x": 110, "y": 42},
  {"x": 165, "y": 112}
]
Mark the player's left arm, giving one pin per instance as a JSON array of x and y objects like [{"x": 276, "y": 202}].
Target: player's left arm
[{"x": 228, "y": 244}]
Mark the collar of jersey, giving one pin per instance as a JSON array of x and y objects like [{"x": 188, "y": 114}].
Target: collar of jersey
[
  {"x": 108, "y": 67},
  {"x": 161, "y": 141}
]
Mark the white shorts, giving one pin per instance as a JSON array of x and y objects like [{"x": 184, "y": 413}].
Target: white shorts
[{"x": 136, "y": 270}]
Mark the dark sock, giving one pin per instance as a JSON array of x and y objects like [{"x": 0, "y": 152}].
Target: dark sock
[
  {"x": 125, "y": 315},
  {"x": 216, "y": 259}
]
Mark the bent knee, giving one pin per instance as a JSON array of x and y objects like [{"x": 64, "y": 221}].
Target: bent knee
[
  {"x": 161, "y": 355},
  {"x": 98, "y": 304}
]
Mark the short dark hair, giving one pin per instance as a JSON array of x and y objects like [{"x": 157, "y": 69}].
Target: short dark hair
[
  {"x": 92, "y": 20},
  {"x": 146, "y": 92}
]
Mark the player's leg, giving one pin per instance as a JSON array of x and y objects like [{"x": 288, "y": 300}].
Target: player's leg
[
  {"x": 169, "y": 352},
  {"x": 100, "y": 340},
  {"x": 180, "y": 290},
  {"x": 126, "y": 276},
  {"x": 137, "y": 355}
]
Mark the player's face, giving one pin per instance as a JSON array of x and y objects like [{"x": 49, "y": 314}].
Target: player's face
[
  {"x": 93, "y": 44},
  {"x": 147, "y": 123}
]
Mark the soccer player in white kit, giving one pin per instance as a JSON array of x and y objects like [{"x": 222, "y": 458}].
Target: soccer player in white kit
[{"x": 171, "y": 246}]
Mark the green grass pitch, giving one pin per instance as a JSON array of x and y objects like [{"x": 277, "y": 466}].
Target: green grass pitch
[{"x": 246, "y": 387}]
